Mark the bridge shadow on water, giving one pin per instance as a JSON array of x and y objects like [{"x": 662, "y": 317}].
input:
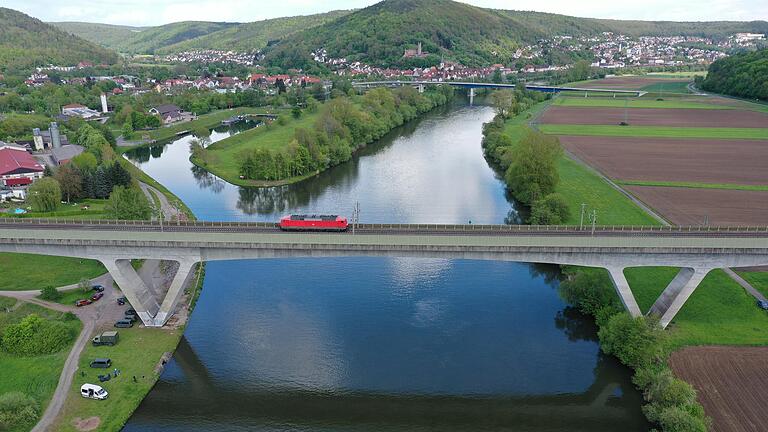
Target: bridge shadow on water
[{"x": 609, "y": 404}]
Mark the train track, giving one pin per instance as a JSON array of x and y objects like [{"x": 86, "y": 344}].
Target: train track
[{"x": 373, "y": 230}]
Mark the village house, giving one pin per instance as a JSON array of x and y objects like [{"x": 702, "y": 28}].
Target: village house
[
  {"x": 46, "y": 140},
  {"x": 62, "y": 155},
  {"x": 82, "y": 111},
  {"x": 17, "y": 166},
  {"x": 168, "y": 113}
]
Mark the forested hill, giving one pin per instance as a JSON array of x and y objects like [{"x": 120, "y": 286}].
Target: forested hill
[
  {"x": 471, "y": 35},
  {"x": 193, "y": 35},
  {"x": 26, "y": 42},
  {"x": 107, "y": 35},
  {"x": 743, "y": 75}
]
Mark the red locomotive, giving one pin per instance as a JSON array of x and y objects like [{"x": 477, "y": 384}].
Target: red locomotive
[{"x": 313, "y": 223}]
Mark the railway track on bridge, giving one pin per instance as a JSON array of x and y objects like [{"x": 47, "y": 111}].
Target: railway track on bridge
[{"x": 394, "y": 229}]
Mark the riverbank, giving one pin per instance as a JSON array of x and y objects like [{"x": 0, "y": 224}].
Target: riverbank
[{"x": 310, "y": 141}]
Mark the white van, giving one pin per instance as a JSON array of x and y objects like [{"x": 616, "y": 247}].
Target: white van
[{"x": 92, "y": 391}]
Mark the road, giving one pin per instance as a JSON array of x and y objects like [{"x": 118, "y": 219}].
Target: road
[{"x": 169, "y": 211}]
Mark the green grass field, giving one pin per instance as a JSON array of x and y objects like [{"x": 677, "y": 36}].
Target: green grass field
[
  {"x": 759, "y": 280},
  {"x": 694, "y": 185},
  {"x": 69, "y": 298},
  {"x": 35, "y": 376},
  {"x": 74, "y": 210},
  {"x": 644, "y": 102},
  {"x": 656, "y": 131},
  {"x": 30, "y": 272},
  {"x": 676, "y": 75},
  {"x": 205, "y": 121},
  {"x": 661, "y": 88},
  {"x": 137, "y": 354},
  {"x": 719, "y": 312}
]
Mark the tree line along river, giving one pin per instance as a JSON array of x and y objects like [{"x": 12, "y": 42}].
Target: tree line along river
[{"x": 381, "y": 344}]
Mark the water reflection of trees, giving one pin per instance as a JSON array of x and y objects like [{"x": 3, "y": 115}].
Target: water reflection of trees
[
  {"x": 206, "y": 180},
  {"x": 549, "y": 272},
  {"x": 576, "y": 325}
]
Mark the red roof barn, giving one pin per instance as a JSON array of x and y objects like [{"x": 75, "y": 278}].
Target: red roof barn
[{"x": 18, "y": 167}]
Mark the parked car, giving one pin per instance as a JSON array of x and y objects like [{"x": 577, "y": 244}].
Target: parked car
[
  {"x": 98, "y": 288},
  {"x": 762, "y": 304},
  {"x": 97, "y": 296},
  {"x": 131, "y": 312},
  {"x": 107, "y": 338},
  {"x": 102, "y": 363},
  {"x": 124, "y": 323},
  {"x": 122, "y": 300},
  {"x": 83, "y": 302},
  {"x": 93, "y": 391},
  {"x": 131, "y": 318}
]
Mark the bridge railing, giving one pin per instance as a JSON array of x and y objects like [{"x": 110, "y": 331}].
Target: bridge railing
[{"x": 390, "y": 227}]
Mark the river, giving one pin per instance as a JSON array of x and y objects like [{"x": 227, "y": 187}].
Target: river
[{"x": 381, "y": 344}]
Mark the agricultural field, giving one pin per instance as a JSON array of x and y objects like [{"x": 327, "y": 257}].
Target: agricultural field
[
  {"x": 633, "y": 83},
  {"x": 692, "y": 159}
]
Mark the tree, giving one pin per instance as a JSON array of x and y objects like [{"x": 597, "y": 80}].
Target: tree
[
  {"x": 70, "y": 180},
  {"x": 85, "y": 162},
  {"x": 127, "y": 130},
  {"x": 128, "y": 203},
  {"x": 496, "y": 77},
  {"x": 84, "y": 285},
  {"x": 17, "y": 409},
  {"x": 636, "y": 342},
  {"x": 296, "y": 112},
  {"x": 533, "y": 172},
  {"x": 503, "y": 102},
  {"x": 580, "y": 71},
  {"x": 50, "y": 292},
  {"x": 44, "y": 195}
]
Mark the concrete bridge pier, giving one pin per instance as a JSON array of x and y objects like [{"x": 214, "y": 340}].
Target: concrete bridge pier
[
  {"x": 677, "y": 293},
  {"x": 624, "y": 291},
  {"x": 421, "y": 88},
  {"x": 152, "y": 307},
  {"x": 471, "y": 96}
]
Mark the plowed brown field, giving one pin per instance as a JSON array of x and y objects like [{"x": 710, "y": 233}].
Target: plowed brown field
[
  {"x": 686, "y": 206},
  {"x": 732, "y": 384},
  {"x": 655, "y": 117},
  {"x": 625, "y": 83},
  {"x": 680, "y": 160}
]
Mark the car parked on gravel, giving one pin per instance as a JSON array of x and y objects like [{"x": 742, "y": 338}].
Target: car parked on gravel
[
  {"x": 98, "y": 288},
  {"x": 97, "y": 296},
  {"x": 83, "y": 302},
  {"x": 131, "y": 312},
  {"x": 124, "y": 323},
  {"x": 122, "y": 300}
]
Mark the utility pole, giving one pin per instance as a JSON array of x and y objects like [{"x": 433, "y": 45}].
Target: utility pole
[
  {"x": 594, "y": 221},
  {"x": 355, "y": 216},
  {"x": 581, "y": 221}
]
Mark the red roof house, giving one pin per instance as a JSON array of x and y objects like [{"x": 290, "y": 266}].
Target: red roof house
[{"x": 18, "y": 167}]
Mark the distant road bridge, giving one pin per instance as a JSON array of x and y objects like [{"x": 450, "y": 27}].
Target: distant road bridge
[
  {"x": 480, "y": 85},
  {"x": 695, "y": 250}
]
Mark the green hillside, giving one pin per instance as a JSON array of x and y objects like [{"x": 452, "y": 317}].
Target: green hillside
[
  {"x": 743, "y": 75},
  {"x": 155, "y": 38},
  {"x": 106, "y": 35},
  {"x": 26, "y": 42},
  {"x": 255, "y": 35},
  {"x": 471, "y": 35}
]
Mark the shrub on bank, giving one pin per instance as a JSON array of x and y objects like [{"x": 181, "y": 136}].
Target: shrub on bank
[
  {"x": 35, "y": 336},
  {"x": 17, "y": 409}
]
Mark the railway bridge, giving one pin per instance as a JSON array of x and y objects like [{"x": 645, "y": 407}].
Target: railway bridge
[
  {"x": 695, "y": 250},
  {"x": 472, "y": 86}
]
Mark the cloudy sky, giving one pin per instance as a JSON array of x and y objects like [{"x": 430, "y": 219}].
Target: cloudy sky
[{"x": 154, "y": 12}]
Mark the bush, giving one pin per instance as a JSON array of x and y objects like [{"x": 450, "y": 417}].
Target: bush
[
  {"x": 679, "y": 419},
  {"x": 590, "y": 292},
  {"x": 35, "y": 336},
  {"x": 550, "y": 210},
  {"x": 50, "y": 293},
  {"x": 636, "y": 342},
  {"x": 17, "y": 409}
]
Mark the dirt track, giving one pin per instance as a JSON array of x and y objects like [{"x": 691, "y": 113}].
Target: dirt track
[
  {"x": 655, "y": 117},
  {"x": 627, "y": 83},
  {"x": 681, "y": 160},
  {"x": 685, "y": 206},
  {"x": 731, "y": 383}
]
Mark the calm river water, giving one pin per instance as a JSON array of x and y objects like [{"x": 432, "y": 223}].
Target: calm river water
[{"x": 381, "y": 344}]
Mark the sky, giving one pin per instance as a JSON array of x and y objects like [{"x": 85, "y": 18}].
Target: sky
[{"x": 153, "y": 12}]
